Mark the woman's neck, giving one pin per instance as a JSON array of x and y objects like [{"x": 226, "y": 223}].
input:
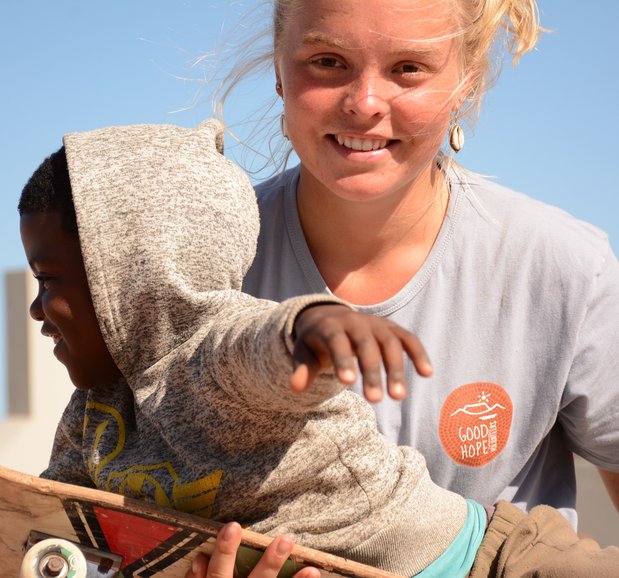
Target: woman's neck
[{"x": 367, "y": 251}]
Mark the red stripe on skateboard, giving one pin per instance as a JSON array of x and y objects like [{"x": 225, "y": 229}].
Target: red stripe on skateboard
[{"x": 131, "y": 536}]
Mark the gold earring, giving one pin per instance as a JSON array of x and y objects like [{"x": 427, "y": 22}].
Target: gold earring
[{"x": 283, "y": 126}]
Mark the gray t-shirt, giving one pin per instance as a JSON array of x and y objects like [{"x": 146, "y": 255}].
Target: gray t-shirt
[{"x": 517, "y": 305}]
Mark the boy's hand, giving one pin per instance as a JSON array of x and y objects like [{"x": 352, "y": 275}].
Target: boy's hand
[{"x": 333, "y": 335}]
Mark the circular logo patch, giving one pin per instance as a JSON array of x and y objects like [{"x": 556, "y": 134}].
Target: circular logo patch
[{"x": 475, "y": 423}]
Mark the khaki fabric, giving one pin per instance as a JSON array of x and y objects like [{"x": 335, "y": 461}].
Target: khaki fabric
[{"x": 540, "y": 544}]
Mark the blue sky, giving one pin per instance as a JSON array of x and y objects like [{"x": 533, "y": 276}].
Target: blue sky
[{"x": 550, "y": 128}]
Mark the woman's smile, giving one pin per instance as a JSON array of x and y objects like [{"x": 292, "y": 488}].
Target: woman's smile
[{"x": 361, "y": 143}]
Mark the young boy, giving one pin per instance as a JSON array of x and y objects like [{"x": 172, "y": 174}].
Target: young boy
[{"x": 183, "y": 394}]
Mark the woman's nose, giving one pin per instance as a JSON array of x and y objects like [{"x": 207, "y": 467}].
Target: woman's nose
[{"x": 367, "y": 97}]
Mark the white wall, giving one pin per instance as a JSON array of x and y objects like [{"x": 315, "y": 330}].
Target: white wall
[
  {"x": 38, "y": 385},
  {"x": 39, "y": 388}
]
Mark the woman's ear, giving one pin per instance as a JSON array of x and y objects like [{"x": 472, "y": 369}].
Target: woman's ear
[
  {"x": 278, "y": 82},
  {"x": 278, "y": 79},
  {"x": 465, "y": 89}
]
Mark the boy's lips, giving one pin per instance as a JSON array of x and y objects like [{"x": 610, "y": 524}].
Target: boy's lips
[
  {"x": 59, "y": 349},
  {"x": 56, "y": 337}
]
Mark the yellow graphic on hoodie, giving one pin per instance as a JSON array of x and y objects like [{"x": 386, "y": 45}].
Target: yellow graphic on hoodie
[{"x": 147, "y": 481}]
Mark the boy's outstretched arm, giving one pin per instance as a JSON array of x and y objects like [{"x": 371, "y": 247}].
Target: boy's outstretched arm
[{"x": 334, "y": 336}]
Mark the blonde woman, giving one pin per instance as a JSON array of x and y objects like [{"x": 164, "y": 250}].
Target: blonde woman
[
  {"x": 505, "y": 292},
  {"x": 516, "y": 302}
]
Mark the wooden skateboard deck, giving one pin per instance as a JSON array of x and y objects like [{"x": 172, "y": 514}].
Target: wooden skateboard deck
[{"x": 122, "y": 537}]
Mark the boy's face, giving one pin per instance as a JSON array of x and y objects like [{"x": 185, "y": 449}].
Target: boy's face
[{"x": 63, "y": 302}]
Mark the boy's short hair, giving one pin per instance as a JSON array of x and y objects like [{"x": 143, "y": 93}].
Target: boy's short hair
[{"x": 49, "y": 190}]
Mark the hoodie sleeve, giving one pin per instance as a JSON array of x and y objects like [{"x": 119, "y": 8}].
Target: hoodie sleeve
[
  {"x": 243, "y": 352},
  {"x": 253, "y": 355},
  {"x": 66, "y": 463}
]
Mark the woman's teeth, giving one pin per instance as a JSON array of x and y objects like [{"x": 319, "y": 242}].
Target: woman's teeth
[{"x": 361, "y": 144}]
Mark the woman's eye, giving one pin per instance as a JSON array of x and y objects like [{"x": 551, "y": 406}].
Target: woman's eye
[
  {"x": 408, "y": 68},
  {"x": 327, "y": 62}
]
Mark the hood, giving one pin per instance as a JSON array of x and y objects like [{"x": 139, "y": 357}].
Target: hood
[{"x": 163, "y": 218}]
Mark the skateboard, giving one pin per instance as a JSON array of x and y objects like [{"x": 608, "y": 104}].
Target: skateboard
[{"x": 54, "y": 530}]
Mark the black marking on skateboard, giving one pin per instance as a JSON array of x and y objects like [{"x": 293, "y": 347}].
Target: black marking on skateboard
[
  {"x": 165, "y": 554},
  {"x": 85, "y": 524}
]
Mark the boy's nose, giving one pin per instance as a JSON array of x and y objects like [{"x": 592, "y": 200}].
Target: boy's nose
[{"x": 36, "y": 311}]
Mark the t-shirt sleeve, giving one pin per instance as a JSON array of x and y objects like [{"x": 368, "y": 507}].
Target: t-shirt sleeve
[{"x": 590, "y": 405}]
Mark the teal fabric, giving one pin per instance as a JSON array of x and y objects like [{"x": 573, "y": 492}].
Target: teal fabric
[{"x": 457, "y": 560}]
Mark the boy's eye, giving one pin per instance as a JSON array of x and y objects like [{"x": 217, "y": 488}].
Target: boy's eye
[{"x": 42, "y": 280}]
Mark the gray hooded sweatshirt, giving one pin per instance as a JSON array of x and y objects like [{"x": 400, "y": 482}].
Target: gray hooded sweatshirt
[{"x": 203, "y": 420}]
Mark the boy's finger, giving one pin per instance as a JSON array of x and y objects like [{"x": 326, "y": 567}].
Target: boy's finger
[
  {"x": 394, "y": 344},
  {"x": 301, "y": 378},
  {"x": 320, "y": 352},
  {"x": 393, "y": 361},
  {"x": 369, "y": 358},
  {"x": 307, "y": 366},
  {"x": 342, "y": 357},
  {"x": 417, "y": 353}
]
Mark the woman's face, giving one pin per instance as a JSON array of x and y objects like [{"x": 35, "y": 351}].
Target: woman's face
[{"x": 368, "y": 90}]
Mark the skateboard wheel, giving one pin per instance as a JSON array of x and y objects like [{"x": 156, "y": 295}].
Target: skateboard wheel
[{"x": 54, "y": 558}]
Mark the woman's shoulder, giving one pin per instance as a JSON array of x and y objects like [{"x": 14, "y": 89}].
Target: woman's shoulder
[
  {"x": 275, "y": 187},
  {"x": 529, "y": 224}
]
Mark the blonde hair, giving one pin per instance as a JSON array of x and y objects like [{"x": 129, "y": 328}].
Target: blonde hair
[{"x": 487, "y": 31}]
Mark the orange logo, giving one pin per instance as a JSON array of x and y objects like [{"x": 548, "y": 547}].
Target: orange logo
[{"x": 475, "y": 422}]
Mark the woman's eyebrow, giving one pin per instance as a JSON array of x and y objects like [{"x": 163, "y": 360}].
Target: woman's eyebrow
[
  {"x": 315, "y": 38},
  {"x": 413, "y": 47}
]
